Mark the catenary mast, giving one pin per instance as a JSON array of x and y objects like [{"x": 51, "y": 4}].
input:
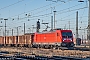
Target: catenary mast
[{"x": 88, "y": 32}]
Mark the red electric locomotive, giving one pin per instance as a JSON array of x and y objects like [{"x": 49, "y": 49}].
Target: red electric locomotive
[{"x": 55, "y": 38}]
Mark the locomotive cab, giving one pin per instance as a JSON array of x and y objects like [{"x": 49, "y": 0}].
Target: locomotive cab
[{"x": 67, "y": 38}]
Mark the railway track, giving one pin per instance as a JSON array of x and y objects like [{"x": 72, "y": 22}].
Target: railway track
[
  {"x": 45, "y": 52},
  {"x": 40, "y": 58},
  {"x": 81, "y": 48},
  {"x": 22, "y": 53},
  {"x": 23, "y": 56},
  {"x": 72, "y": 48}
]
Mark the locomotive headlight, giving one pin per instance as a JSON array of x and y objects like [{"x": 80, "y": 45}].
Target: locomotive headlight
[
  {"x": 64, "y": 39},
  {"x": 70, "y": 39}
]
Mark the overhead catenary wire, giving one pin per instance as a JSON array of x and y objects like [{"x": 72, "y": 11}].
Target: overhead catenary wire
[
  {"x": 50, "y": 13},
  {"x": 40, "y": 8},
  {"x": 54, "y": 6},
  {"x": 72, "y": 19},
  {"x": 33, "y": 10},
  {"x": 11, "y": 4},
  {"x": 56, "y": 14},
  {"x": 43, "y": 15},
  {"x": 58, "y": 11},
  {"x": 36, "y": 9},
  {"x": 67, "y": 19}
]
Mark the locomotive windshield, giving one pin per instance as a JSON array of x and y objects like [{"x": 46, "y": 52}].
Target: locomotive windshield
[{"x": 66, "y": 33}]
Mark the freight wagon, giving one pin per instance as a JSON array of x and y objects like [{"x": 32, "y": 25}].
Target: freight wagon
[
  {"x": 1, "y": 41},
  {"x": 24, "y": 40},
  {"x": 19, "y": 41},
  {"x": 55, "y": 38}
]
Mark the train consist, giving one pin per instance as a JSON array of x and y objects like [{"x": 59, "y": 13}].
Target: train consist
[{"x": 50, "y": 39}]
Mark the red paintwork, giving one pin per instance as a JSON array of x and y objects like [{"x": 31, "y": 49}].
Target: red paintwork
[{"x": 50, "y": 37}]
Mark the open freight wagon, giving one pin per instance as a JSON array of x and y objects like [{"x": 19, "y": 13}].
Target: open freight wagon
[{"x": 20, "y": 41}]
